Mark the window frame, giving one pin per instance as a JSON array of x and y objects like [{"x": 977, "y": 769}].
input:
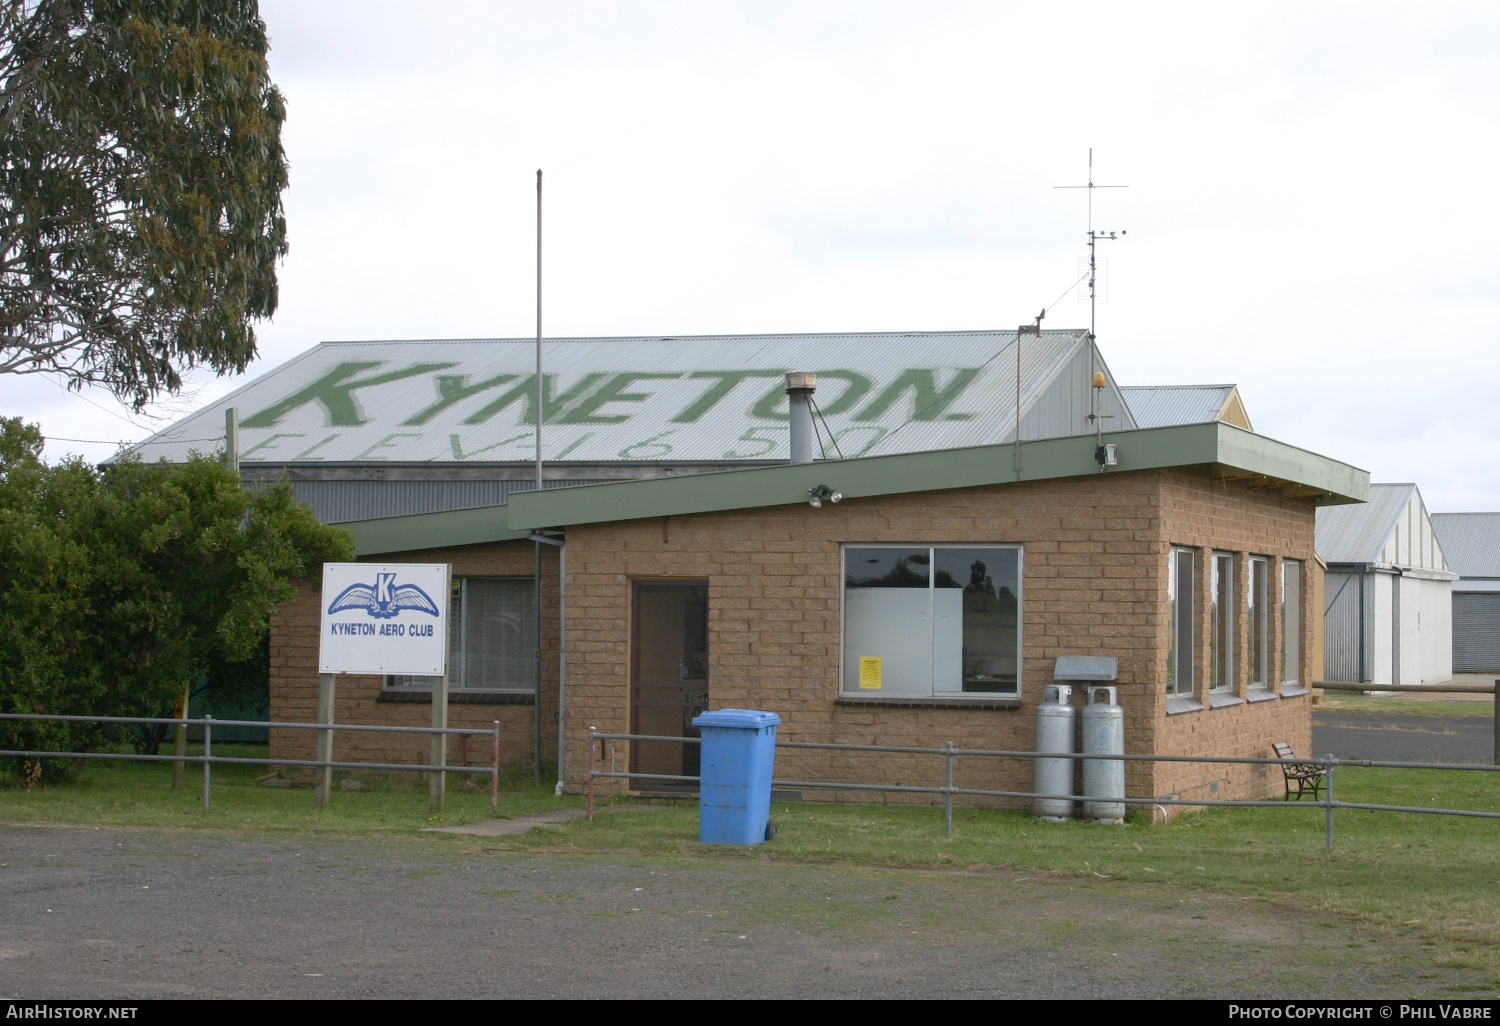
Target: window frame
[
  {"x": 1221, "y": 652},
  {"x": 1258, "y": 603},
  {"x": 1177, "y": 687},
  {"x": 458, "y": 654},
  {"x": 1296, "y": 646},
  {"x": 932, "y": 693}
]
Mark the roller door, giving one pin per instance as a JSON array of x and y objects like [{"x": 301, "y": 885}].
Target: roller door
[{"x": 1476, "y": 632}]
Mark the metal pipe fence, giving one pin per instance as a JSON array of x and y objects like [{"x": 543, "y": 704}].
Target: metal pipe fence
[
  {"x": 949, "y": 753},
  {"x": 208, "y": 759}
]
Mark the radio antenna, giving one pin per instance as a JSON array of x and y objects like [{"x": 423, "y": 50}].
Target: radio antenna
[{"x": 1094, "y": 236}]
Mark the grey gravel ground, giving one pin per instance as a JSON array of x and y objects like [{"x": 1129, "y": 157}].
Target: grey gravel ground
[
  {"x": 135, "y": 913},
  {"x": 1403, "y": 738}
]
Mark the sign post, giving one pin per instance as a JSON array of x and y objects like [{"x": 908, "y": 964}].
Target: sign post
[{"x": 384, "y": 618}]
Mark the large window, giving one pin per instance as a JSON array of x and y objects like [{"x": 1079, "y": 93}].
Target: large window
[
  {"x": 1291, "y": 621},
  {"x": 1225, "y": 613},
  {"x": 491, "y": 640},
  {"x": 1260, "y": 620},
  {"x": 932, "y": 620},
  {"x": 1180, "y": 640}
]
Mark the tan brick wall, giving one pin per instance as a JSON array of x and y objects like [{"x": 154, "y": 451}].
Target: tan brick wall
[
  {"x": 1217, "y": 515},
  {"x": 294, "y": 678},
  {"x": 1094, "y": 582}
]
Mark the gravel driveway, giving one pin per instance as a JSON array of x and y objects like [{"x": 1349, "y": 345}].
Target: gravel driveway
[{"x": 144, "y": 913}]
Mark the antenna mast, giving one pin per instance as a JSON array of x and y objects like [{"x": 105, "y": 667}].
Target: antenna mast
[{"x": 1094, "y": 237}]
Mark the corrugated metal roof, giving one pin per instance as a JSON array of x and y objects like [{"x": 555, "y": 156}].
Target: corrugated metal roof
[
  {"x": 340, "y": 502},
  {"x": 1169, "y": 405},
  {"x": 1358, "y": 533},
  {"x": 1471, "y": 541},
  {"x": 684, "y": 399}
]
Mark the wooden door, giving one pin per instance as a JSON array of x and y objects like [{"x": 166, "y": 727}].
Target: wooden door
[{"x": 669, "y": 677}]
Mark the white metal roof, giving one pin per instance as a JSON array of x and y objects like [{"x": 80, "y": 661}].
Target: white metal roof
[
  {"x": 681, "y": 399},
  {"x": 1471, "y": 541},
  {"x": 1170, "y": 405},
  {"x": 1392, "y": 528}
]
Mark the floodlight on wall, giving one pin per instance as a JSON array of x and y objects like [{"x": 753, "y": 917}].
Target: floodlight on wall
[
  {"x": 1107, "y": 455},
  {"x": 816, "y": 496}
]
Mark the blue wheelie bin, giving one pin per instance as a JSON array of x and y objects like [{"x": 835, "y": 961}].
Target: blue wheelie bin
[{"x": 739, "y": 751}]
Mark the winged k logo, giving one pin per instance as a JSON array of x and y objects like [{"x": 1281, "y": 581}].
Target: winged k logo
[{"x": 384, "y": 599}]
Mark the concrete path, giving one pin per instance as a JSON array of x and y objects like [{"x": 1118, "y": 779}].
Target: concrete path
[{"x": 142, "y": 913}]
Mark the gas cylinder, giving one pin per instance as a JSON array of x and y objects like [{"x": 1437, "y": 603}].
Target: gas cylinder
[
  {"x": 1054, "y": 733},
  {"x": 1104, "y": 734}
]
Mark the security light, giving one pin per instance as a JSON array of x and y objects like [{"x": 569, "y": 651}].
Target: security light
[{"x": 821, "y": 492}]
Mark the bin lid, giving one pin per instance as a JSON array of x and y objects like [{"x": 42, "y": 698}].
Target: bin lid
[{"x": 746, "y": 719}]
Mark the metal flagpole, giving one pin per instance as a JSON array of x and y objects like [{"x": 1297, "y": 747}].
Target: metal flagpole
[{"x": 536, "y": 705}]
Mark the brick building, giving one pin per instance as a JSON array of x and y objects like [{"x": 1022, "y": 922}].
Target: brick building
[
  {"x": 914, "y": 585},
  {"x": 1191, "y": 561}
]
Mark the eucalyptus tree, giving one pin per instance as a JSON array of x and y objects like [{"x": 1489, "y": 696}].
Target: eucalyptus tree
[{"x": 141, "y": 174}]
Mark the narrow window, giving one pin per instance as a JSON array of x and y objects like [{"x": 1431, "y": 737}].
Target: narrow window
[
  {"x": 1259, "y": 620},
  {"x": 1291, "y": 621},
  {"x": 1180, "y": 641},
  {"x": 1221, "y": 658}
]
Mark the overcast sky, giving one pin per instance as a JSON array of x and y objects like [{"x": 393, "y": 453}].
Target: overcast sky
[{"x": 1311, "y": 206}]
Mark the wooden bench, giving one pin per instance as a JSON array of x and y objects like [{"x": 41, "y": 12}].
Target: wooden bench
[{"x": 1307, "y": 777}]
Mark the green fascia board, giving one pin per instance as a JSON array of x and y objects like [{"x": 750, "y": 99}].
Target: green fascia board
[
  {"x": 1045, "y": 459},
  {"x": 432, "y": 530}
]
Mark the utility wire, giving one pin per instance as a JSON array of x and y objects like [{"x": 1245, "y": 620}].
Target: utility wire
[
  {"x": 917, "y": 412},
  {"x": 108, "y": 441}
]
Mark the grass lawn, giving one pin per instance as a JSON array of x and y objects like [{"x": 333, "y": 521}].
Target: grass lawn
[
  {"x": 1436, "y": 878},
  {"x": 1354, "y": 702}
]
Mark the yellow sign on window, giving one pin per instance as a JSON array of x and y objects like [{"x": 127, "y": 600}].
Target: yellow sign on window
[{"x": 869, "y": 673}]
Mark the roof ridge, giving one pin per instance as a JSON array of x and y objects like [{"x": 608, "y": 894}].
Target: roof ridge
[{"x": 531, "y": 340}]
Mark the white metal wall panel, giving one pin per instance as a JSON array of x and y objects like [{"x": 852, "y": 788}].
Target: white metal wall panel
[{"x": 1476, "y": 632}]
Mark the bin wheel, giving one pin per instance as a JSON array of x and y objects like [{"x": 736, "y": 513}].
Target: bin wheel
[{"x": 770, "y": 830}]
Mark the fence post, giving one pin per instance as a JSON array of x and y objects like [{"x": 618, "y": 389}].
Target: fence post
[
  {"x": 1497, "y": 723},
  {"x": 438, "y": 785},
  {"x": 208, "y": 754},
  {"x": 591, "y": 773},
  {"x": 179, "y": 745},
  {"x": 1330, "y": 762},
  {"x": 948, "y": 791},
  {"x": 324, "y": 778},
  {"x": 495, "y": 777}
]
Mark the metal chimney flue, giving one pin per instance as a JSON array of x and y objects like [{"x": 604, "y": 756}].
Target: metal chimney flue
[{"x": 800, "y": 386}]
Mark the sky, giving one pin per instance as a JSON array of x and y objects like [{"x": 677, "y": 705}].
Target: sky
[{"x": 1309, "y": 211}]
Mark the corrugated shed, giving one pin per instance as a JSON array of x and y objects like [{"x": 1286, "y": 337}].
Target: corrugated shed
[
  {"x": 1392, "y": 528},
  {"x": 686, "y": 399},
  {"x": 1471, "y": 541},
  {"x": 1357, "y": 533},
  {"x": 1169, "y": 405}
]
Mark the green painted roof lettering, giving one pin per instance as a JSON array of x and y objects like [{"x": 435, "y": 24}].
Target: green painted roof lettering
[
  {"x": 335, "y": 392},
  {"x": 724, "y": 383},
  {"x": 587, "y": 412},
  {"x": 928, "y": 402},
  {"x": 525, "y": 391}
]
